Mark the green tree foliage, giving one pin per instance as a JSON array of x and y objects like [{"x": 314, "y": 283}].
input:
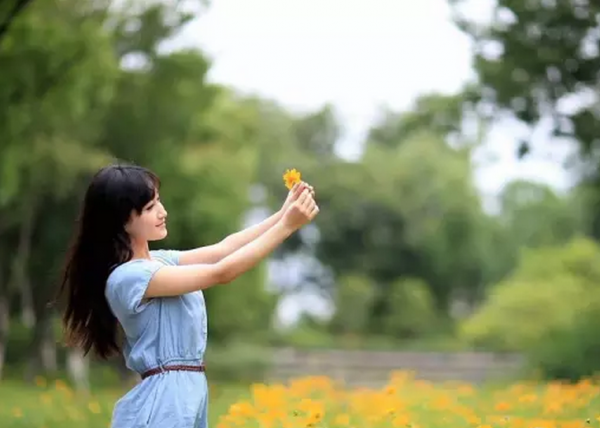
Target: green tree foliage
[
  {"x": 538, "y": 217},
  {"x": 354, "y": 297},
  {"x": 535, "y": 54},
  {"x": 547, "y": 309},
  {"x": 401, "y": 238},
  {"x": 411, "y": 211},
  {"x": 69, "y": 106},
  {"x": 413, "y": 314},
  {"x": 538, "y": 61},
  {"x": 443, "y": 115}
]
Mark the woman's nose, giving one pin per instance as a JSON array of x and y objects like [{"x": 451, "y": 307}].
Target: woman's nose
[{"x": 163, "y": 211}]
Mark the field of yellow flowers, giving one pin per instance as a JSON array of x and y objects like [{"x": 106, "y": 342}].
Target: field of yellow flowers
[
  {"x": 405, "y": 402},
  {"x": 319, "y": 402}
]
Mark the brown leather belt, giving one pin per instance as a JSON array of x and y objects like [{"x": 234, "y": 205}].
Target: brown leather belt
[{"x": 183, "y": 368}]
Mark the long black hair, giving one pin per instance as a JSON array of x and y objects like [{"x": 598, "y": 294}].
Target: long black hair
[{"x": 100, "y": 244}]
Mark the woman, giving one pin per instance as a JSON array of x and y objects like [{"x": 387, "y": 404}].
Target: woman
[{"x": 112, "y": 279}]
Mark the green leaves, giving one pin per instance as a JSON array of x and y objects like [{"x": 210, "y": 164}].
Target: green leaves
[
  {"x": 57, "y": 76},
  {"x": 544, "y": 53}
]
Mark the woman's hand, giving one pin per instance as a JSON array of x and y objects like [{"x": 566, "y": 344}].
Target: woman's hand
[
  {"x": 295, "y": 193},
  {"x": 301, "y": 211}
]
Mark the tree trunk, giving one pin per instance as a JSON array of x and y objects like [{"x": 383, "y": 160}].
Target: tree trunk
[
  {"x": 78, "y": 368},
  {"x": 42, "y": 349},
  {"x": 4, "y": 330},
  {"x": 19, "y": 275},
  {"x": 27, "y": 312},
  {"x": 4, "y": 315},
  {"x": 4, "y": 291}
]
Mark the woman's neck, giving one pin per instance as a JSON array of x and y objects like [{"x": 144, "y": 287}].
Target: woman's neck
[{"x": 140, "y": 249}]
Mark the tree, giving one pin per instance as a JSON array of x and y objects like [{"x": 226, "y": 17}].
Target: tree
[
  {"x": 535, "y": 216},
  {"x": 443, "y": 115},
  {"x": 9, "y": 11},
  {"x": 68, "y": 108},
  {"x": 405, "y": 212},
  {"x": 57, "y": 76},
  {"x": 538, "y": 61},
  {"x": 546, "y": 309}
]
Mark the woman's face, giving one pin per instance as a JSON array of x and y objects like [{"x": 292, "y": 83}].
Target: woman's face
[{"x": 150, "y": 224}]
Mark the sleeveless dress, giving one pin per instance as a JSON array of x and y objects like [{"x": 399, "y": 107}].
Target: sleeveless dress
[{"x": 159, "y": 332}]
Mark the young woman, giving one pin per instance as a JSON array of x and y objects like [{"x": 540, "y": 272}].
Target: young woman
[{"x": 113, "y": 282}]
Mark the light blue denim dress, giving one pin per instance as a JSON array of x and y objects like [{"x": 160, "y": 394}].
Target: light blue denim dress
[{"x": 159, "y": 332}]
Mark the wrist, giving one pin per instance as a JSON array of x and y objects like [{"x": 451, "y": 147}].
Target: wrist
[
  {"x": 279, "y": 214},
  {"x": 283, "y": 228}
]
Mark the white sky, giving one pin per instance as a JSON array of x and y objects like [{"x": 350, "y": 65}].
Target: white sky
[{"x": 358, "y": 55}]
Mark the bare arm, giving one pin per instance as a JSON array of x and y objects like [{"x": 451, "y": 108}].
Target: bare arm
[
  {"x": 177, "y": 280},
  {"x": 216, "y": 252}
]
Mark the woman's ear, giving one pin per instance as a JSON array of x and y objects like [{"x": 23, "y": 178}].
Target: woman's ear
[{"x": 127, "y": 226}]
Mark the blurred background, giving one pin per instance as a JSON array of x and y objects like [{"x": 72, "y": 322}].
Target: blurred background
[{"x": 453, "y": 146}]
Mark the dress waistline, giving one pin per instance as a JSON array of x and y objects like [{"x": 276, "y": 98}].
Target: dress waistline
[{"x": 185, "y": 368}]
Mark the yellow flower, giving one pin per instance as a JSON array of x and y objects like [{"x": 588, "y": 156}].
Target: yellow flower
[
  {"x": 317, "y": 401},
  {"x": 503, "y": 406},
  {"x": 40, "y": 381},
  {"x": 342, "y": 419},
  {"x": 46, "y": 398},
  {"x": 94, "y": 407},
  {"x": 291, "y": 177}
]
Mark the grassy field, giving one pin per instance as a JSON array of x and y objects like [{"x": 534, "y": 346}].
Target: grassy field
[
  {"x": 53, "y": 404},
  {"x": 318, "y": 402}
]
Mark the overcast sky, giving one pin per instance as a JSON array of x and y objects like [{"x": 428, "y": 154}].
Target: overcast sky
[{"x": 358, "y": 55}]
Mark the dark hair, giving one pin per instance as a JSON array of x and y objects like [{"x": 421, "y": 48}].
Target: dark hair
[{"x": 100, "y": 244}]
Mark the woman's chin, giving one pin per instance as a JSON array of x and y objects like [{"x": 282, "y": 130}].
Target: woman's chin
[{"x": 162, "y": 234}]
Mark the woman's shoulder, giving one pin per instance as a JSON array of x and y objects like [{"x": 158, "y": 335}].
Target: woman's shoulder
[
  {"x": 127, "y": 283},
  {"x": 168, "y": 257},
  {"x": 133, "y": 269}
]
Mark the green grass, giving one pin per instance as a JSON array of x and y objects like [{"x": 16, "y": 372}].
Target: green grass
[
  {"x": 320, "y": 403},
  {"x": 52, "y": 404}
]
